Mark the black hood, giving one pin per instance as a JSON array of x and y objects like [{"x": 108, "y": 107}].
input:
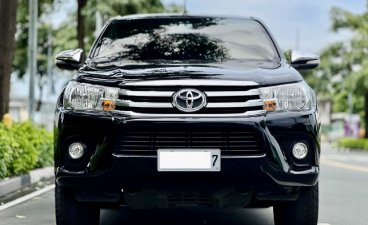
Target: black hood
[{"x": 265, "y": 75}]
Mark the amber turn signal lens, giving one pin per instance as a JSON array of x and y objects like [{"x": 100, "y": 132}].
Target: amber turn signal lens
[
  {"x": 108, "y": 105},
  {"x": 269, "y": 105}
]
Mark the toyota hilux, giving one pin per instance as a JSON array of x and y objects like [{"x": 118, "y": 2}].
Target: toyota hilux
[{"x": 182, "y": 110}]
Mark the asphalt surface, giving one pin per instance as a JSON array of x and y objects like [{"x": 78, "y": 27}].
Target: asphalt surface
[{"x": 343, "y": 201}]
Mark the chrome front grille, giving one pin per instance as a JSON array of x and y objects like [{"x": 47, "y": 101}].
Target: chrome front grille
[{"x": 224, "y": 98}]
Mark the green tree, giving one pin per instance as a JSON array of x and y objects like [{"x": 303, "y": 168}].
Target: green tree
[
  {"x": 20, "y": 61},
  {"x": 344, "y": 65},
  {"x": 8, "y": 10},
  {"x": 87, "y": 9}
]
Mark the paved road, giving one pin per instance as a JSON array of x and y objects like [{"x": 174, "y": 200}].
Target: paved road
[{"x": 343, "y": 201}]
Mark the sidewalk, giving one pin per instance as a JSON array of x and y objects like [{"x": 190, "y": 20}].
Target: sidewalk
[{"x": 354, "y": 157}]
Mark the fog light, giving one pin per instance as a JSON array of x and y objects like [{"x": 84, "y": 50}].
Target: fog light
[
  {"x": 76, "y": 150},
  {"x": 300, "y": 150}
]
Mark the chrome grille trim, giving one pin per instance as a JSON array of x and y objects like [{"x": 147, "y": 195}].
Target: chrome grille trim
[
  {"x": 127, "y": 103},
  {"x": 162, "y": 115},
  {"x": 125, "y": 92},
  {"x": 249, "y": 103},
  {"x": 232, "y": 93},
  {"x": 155, "y": 98}
]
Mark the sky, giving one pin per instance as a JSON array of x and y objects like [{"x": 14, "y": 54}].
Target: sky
[{"x": 284, "y": 18}]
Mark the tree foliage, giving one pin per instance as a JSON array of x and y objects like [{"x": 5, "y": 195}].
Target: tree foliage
[
  {"x": 21, "y": 48},
  {"x": 344, "y": 65},
  {"x": 112, "y": 8},
  {"x": 24, "y": 147},
  {"x": 68, "y": 35},
  {"x": 77, "y": 31}
]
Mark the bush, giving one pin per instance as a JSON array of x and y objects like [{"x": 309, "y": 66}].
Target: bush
[
  {"x": 352, "y": 143},
  {"x": 24, "y": 147}
]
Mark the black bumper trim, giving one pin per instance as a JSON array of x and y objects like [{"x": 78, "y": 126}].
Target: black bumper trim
[{"x": 142, "y": 172}]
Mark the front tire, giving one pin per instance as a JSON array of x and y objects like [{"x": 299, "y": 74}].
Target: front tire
[
  {"x": 71, "y": 212},
  {"x": 303, "y": 211}
]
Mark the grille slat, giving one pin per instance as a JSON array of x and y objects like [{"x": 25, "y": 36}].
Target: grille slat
[
  {"x": 229, "y": 142},
  {"x": 223, "y": 98}
]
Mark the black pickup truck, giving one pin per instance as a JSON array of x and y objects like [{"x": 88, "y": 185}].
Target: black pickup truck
[{"x": 180, "y": 110}]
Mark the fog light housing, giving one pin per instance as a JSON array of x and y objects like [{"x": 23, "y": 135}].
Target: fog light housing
[
  {"x": 76, "y": 150},
  {"x": 300, "y": 151}
]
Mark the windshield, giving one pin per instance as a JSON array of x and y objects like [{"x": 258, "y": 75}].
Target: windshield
[{"x": 186, "y": 39}]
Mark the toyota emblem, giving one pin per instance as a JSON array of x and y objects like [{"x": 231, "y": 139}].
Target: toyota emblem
[{"x": 189, "y": 100}]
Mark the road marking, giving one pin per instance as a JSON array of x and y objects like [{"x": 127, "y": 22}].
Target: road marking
[
  {"x": 324, "y": 224},
  {"x": 27, "y": 197},
  {"x": 328, "y": 162}
]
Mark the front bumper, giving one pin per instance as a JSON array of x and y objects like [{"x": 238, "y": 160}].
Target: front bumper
[{"x": 110, "y": 172}]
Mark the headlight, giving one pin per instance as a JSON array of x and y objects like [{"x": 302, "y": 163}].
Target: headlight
[
  {"x": 290, "y": 97},
  {"x": 81, "y": 96}
]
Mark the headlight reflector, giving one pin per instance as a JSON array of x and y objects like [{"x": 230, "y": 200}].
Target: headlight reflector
[
  {"x": 289, "y": 97},
  {"x": 82, "y": 96}
]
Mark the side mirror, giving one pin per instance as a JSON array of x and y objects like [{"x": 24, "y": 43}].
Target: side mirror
[
  {"x": 303, "y": 61},
  {"x": 69, "y": 59}
]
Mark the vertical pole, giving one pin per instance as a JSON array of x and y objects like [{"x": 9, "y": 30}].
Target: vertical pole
[
  {"x": 49, "y": 60},
  {"x": 350, "y": 118},
  {"x": 350, "y": 103},
  {"x": 185, "y": 8},
  {"x": 98, "y": 23},
  {"x": 32, "y": 53},
  {"x": 297, "y": 39}
]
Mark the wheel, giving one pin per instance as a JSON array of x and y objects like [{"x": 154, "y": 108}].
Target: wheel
[
  {"x": 303, "y": 211},
  {"x": 71, "y": 212}
]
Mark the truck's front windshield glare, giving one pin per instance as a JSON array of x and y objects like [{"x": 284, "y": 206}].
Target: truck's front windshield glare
[{"x": 204, "y": 39}]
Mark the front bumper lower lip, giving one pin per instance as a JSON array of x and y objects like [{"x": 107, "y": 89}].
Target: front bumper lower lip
[
  {"x": 128, "y": 171},
  {"x": 273, "y": 169}
]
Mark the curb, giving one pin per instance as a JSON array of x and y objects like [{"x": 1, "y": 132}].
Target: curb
[{"x": 15, "y": 183}]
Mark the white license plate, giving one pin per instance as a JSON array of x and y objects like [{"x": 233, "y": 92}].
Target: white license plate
[{"x": 188, "y": 160}]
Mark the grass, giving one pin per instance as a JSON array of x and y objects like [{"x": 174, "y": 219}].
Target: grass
[{"x": 353, "y": 143}]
